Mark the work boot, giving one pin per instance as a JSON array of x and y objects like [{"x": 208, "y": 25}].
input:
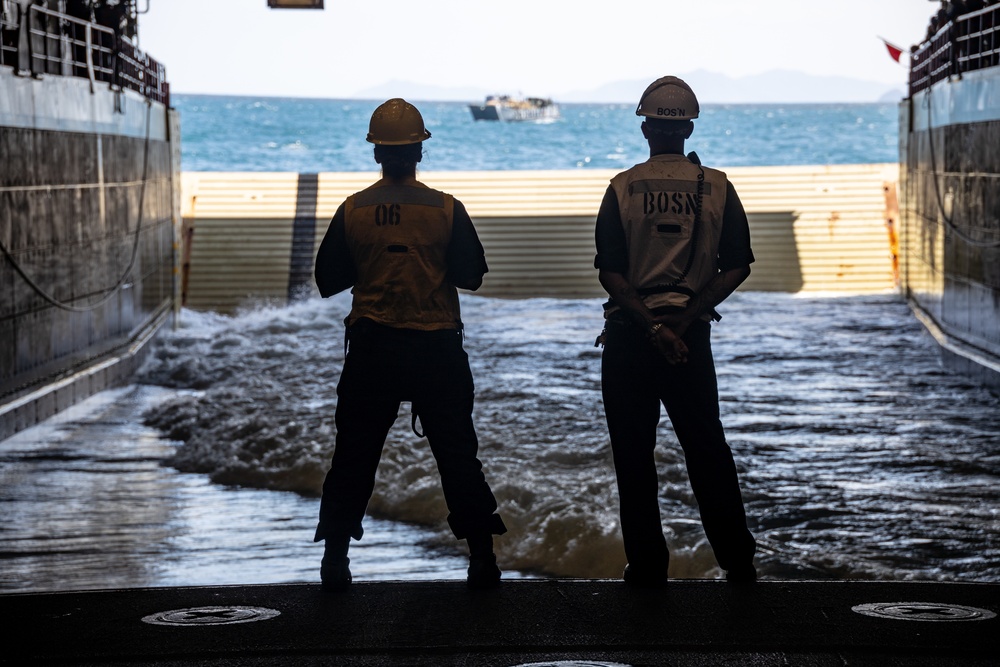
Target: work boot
[
  {"x": 334, "y": 571},
  {"x": 645, "y": 577},
  {"x": 483, "y": 572},
  {"x": 745, "y": 574}
]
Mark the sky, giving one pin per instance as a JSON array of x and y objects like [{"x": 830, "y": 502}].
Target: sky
[{"x": 538, "y": 47}]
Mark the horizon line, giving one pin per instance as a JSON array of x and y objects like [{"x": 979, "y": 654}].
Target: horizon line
[{"x": 467, "y": 101}]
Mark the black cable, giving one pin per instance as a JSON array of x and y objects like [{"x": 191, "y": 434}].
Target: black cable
[
  {"x": 111, "y": 291},
  {"x": 937, "y": 190}
]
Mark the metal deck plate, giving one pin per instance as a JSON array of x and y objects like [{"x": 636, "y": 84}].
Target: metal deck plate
[
  {"x": 923, "y": 611},
  {"x": 202, "y": 616}
]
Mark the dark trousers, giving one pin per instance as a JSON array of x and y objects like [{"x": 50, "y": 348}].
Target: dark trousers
[
  {"x": 636, "y": 379},
  {"x": 384, "y": 367}
]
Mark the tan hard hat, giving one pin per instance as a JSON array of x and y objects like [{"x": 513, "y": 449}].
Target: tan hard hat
[
  {"x": 668, "y": 98},
  {"x": 396, "y": 122}
]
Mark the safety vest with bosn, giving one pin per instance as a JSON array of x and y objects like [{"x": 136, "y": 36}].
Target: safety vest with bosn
[
  {"x": 398, "y": 236},
  {"x": 658, "y": 200}
]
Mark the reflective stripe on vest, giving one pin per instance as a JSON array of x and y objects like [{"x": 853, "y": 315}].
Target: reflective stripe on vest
[
  {"x": 657, "y": 200},
  {"x": 398, "y": 236}
]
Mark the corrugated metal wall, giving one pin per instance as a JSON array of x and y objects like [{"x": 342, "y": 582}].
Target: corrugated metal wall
[{"x": 814, "y": 228}]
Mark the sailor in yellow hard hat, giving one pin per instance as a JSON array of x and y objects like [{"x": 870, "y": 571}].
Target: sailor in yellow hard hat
[
  {"x": 404, "y": 248},
  {"x": 673, "y": 242}
]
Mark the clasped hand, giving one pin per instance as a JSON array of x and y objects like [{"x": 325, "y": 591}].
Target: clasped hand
[{"x": 667, "y": 338}]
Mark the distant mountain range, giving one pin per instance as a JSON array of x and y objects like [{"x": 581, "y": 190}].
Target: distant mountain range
[{"x": 776, "y": 86}]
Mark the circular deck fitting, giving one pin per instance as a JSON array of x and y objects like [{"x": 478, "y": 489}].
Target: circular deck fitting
[
  {"x": 923, "y": 611},
  {"x": 572, "y": 663},
  {"x": 211, "y": 616}
]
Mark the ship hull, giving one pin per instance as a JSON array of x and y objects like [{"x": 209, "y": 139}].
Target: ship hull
[
  {"x": 499, "y": 112},
  {"x": 484, "y": 112},
  {"x": 950, "y": 218},
  {"x": 88, "y": 220}
]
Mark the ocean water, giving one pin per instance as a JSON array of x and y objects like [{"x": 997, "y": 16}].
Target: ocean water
[
  {"x": 859, "y": 456},
  {"x": 313, "y": 135}
]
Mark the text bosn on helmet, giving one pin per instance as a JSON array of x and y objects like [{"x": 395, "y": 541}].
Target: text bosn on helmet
[
  {"x": 668, "y": 98},
  {"x": 396, "y": 122}
]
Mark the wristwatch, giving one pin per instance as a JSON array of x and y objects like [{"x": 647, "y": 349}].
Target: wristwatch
[{"x": 653, "y": 329}]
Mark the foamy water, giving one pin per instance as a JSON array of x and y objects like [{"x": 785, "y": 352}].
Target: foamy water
[
  {"x": 90, "y": 504},
  {"x": 858, "y": 455}
]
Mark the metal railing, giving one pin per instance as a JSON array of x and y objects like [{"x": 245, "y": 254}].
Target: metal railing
[
  {"x": 977, "y": 38},
  {"x": 969, "y": 42},
  {"x": 8, "y": 34},
  {"x": 67, "y": 46},
  {"x": 61, "y": 44},
  {"x": 141, "y": 73}
]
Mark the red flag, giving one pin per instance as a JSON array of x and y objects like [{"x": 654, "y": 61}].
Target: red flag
[{"x": 894, "y": 51}]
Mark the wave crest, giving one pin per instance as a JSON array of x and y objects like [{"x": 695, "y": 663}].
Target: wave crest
[{"x": 259, "y": 400}]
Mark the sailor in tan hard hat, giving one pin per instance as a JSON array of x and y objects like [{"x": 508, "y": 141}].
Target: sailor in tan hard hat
[
  {"x": 404, "y": 248},
  {"x": 672, "y": 243}
]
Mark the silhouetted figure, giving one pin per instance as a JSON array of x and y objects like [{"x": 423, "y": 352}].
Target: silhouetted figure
[
  {"x": 117, "y": 15},
  {"x": 672, "y": 243},
  {"x": 404, "y": 248},
  {"x": 932, "y": 28},
  {"x": 9, "y": 26}
]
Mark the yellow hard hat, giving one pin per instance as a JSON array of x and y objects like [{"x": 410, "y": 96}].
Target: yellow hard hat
[
  {"x": 668, "y": 98},
  {"x": 396, "y": 122}
]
